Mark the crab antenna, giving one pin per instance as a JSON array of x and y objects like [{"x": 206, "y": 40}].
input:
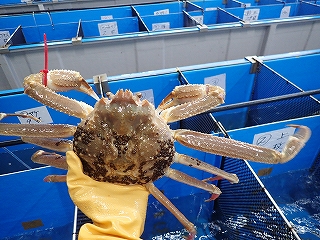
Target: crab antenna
[{"x": 45, "y": 70}]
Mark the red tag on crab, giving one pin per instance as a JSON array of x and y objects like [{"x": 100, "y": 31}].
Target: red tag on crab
[{"x": 45, "y": 70}]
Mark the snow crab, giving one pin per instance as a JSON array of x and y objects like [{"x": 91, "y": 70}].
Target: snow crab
[{"x": 125, "y": 140}]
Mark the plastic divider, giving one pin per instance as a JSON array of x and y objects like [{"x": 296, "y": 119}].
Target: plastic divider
[
  {"x": 307, "y": 8},
  {"x": 111, "y": 27},
  {"x": 12, "y": 37},
  {"x": 276, "y": 11},
  {"x": 234, "y": 4},
  {"x": 299, "y": 76},
  {"x": 164, "y": 22},
  {"x": 191, "y": 6},
  {"x": 44, "y": 209},
  {"x": 13, "y": 21},
  {"x": 65, "y": 26},
  {"x": 210, "y": 4},
  {"x": 142, "y": 25},
  {"x": 18, "y": 2},
  {"x": 214, "y": 16},
  {"x": 160, "y": 9},
  {"x": 57, "y": 32},
  {"x": 91, "y": 14},
  {"x": 263, "y": 84},
  {"x": 269, "y": 83},
  {"x": 261, "y": 12},
  {"x": 225, "y": 16}
]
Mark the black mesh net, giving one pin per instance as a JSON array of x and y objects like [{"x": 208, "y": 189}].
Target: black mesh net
[
  {"x": 245, "y": 210},
  {"x": 270, "y": 84},
  {"x": 315, "y": 168},
  {"x": 201, "y": 123}
]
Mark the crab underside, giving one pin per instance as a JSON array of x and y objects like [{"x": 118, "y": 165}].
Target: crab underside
[{"x": 125, "y": 140}]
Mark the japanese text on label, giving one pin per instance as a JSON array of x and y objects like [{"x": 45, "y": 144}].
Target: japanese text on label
[
  {"x": 40, "y": 113},
  {"x": 160, "y": 26},
  {"x": 250, "y": 15},
  {"x": 217, "y": 80},
  {"x": 108, "y": 28},
  {"x": 4, "y": 36},
  {"x": 199, "y": 19},
  {"x": 285, "y": 12},
  {"x": 161, "y": 12},
  {"x": 274, "y": 139},
  {"x": 107, "y": 17}
]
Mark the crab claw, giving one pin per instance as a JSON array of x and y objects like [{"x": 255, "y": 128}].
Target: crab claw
[
  {"x": 60, "y": 80},
  {"x": 63, "y": 80},
  {"x": 295, "y": 143},
  {"x": 213, "y": 197},
  {"x": 191, "y": 236},
  {"x": 3, "y": 115},
  {"x": 189, "y": 100}
]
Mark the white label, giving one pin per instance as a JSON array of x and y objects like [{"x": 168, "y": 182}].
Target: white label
[
  {"x": 108, "y": 28},
  {"x": 199, "y": 19},
  {"x": 41, "y": 7},
  {"x": 285, "y": 12},
  {"x": 147, "y": 94},
  {"x": 161, "y": 12},
  {"x": 217, "y": 80},
  {"x": 38, "y": 112},
  {"x": 160, "y": 26},
  {"x": 245, "y": 5},
  {"x": 250, "y": 15},
  {"x": 210, "y": 9},
  {"x": 107, "y": 17},
  {"x": 4, "y": 36},
  {"x": 274, "y": 139}
]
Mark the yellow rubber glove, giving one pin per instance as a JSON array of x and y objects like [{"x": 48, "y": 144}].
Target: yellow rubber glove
[{"x": 117, "y": 212}]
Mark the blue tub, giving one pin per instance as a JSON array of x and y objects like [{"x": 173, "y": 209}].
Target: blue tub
[{"x": 243, "y": 210}]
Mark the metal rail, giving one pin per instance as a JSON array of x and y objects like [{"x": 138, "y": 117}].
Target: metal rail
[{"x": 265, "y": 100}]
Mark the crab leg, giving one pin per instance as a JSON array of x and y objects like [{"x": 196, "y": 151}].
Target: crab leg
[
  {"x": 196, "y": 163},
  {"x": 55, "y": 144},
  {"x": 34, "y": 88},
  {"x": 235, "y": 149},
  {"x": 52, "y": 159},
  {"x": 3, "y": 115},
  {"x": 189, "y": 100},
  {"x": 184, "y": 178},
  {"x": 39, "y": 130},
  {"x": 166, "y": 202},
  {"x": 55, "y": 178}
]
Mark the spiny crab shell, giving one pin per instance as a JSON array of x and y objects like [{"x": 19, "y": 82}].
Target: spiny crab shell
[{"x": 124, "y": 141}]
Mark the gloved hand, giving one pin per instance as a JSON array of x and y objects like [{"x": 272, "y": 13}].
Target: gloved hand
[{"x": 117, "y": 212}]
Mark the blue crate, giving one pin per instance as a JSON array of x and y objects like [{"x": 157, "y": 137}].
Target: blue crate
[{"x": 243, "y": 211}]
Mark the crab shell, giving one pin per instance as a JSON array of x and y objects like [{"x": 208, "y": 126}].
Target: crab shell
[{"x": 124, "y": 141}]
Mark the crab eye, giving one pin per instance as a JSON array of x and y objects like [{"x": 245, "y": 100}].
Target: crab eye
[
  {"x": 139, "y": 95},
  {"x": 109, "y": 95}
]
